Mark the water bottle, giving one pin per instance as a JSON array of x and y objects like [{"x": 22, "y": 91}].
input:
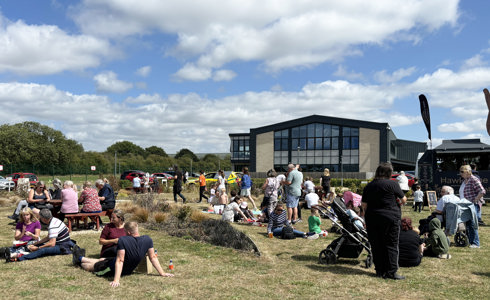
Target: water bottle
[{"x": 171, "y": 266}]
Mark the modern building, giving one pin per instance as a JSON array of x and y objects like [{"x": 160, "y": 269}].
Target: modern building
[{"x": 317, "y": 142}]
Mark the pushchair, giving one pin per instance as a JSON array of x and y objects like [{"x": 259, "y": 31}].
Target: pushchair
[{"x": 352, "y": 240}]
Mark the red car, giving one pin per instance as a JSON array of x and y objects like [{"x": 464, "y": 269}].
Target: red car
[
  {"x": 409, "y": 176},
  {"x": 132, "y": 175},
  {"x": 32, "y": 177}
]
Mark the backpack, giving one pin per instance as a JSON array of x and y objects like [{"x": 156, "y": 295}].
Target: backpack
[{"x": 287, "y": 233}]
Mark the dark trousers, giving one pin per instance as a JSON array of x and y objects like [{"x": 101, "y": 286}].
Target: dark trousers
[
  {"x": 201, "y": 193},
  {"x": 418, "y": 205},
  {"x": 383, "y": 235},
  {"x": 180, "y": 195},
  {"x": 106, "y": 206}
]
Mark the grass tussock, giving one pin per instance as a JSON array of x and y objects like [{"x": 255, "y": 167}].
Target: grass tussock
[
  {"x": 198, "y": 217},
  {"x": 160, "y": 217},
  {"x": 140, "y": 215}
]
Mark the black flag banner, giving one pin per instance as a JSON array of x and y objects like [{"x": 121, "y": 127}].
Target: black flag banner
[
  {"x": 487, "y": 98},
  {"x": 424, "y": 110}
]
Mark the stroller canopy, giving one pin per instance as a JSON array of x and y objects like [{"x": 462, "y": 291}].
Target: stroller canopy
[{"x": 350, "y": 196}]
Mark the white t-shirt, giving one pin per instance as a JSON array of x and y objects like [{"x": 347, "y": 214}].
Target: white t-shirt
[
  {"x": 136, "y": 182},
  {"x": 281, "y": 177},
  {"x": 311, "y": 199},
  {"x": 442, "y": 203},
  {"x": 403, "y": 182},
  {"x": 309, "y": 186},
  {"x": 418, "y": 196},
  {"x": 221, "y": 181}
]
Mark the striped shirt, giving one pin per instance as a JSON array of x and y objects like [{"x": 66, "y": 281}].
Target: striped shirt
[
  {"x": 58, "y": 230},
  {"x": 277, "y": 221}
]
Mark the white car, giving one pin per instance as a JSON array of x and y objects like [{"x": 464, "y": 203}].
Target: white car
[{"x": 4, "y": 184}]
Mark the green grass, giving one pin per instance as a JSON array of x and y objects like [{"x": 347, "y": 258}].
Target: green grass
[{"x": 285, "y": 270}]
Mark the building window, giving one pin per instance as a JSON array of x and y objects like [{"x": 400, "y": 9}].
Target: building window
[
  {"x": 240, "y": 148},
  {"x": 317, "y": 146}
]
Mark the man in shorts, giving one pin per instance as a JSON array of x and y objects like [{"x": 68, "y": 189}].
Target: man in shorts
[
  {"x": 131, "y": 249},
  {"x": 293, "y": 181}
]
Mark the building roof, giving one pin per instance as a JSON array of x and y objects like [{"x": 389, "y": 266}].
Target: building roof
[{"x": 462, "y": 145}]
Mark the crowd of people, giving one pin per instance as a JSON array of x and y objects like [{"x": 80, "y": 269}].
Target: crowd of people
[{"x": 394, "y": 241}]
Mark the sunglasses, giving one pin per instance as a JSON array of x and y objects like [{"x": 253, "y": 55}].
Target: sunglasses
[{"x": 279, "y": 209}]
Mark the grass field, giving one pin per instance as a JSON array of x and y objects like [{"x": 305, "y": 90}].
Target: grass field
[{"x": 287, "y": 269}]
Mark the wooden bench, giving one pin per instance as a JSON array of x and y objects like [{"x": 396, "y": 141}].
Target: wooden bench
[{"x": 84, "y": 216}]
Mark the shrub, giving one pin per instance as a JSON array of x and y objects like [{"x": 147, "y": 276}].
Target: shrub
[
  {"x": 124, "y": 184},
  {"x": 183, "y": 213},
  {"x": 160, "y": 217},
  {"x": 140, "y": 215},
  {"x": 198, "y": 217}
]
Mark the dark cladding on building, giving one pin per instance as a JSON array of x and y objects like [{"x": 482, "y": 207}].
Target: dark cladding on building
[{"x": 317, "y": 142}]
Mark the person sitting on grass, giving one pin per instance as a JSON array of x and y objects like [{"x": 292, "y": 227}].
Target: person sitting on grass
[
  {"x": 279, "y": 219},
  {"x": 232, "y": 212},
  {"x": 247, "y": 212},
  {"x": 57, "y": 242},
  {"x": 111, "y": 233},
  {"x": 131, "y": 249},
  {"x": 314, "y": 222},
  {"x": 410, "y": 245},
  {"x": 437, "y": 244},
  {"x": 26, "y": 233}
]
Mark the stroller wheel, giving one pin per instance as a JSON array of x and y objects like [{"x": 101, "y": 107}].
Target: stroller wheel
[
  {"x": 460, "y": 239},
  {"x": 369, "y": 261},
  {"x": 327, "y": 257}
]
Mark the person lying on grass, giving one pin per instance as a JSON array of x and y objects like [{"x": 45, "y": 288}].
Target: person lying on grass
[{"x": 131, "y": 249}]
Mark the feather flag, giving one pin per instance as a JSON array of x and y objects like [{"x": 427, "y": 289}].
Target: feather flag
[
  {"x": 487, "y": 98},
  {"x": 424, "y": 110}
]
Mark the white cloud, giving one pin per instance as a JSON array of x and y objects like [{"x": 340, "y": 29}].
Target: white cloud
[
  {"x": 344, "y": 73},
  {"x": 224, "y": 75},
  {"x": 46, "y": 49},
  {"x": 474, "y": 62},
  {"x": 466, "y": 126},
  {"x": 143, "y": 71},
  {"x": 279, "y": 34},
  {"x": 384, "y": 77},
  {"x": 107, "y": 82}
]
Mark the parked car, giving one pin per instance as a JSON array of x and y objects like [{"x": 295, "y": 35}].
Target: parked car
[
  {"x": 5, "y": 184},
  {"x": 126, "y": 173},
  {"x": 32, "y": 178},
  {"x": 409, "y": 176},
  {"x": 164, "y": 176},
  {"x": 140, "y": 174},
  {"x": 231, "y": 177}
]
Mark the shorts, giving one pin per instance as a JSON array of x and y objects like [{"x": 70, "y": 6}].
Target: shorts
[
  {"x": 245, "y": 192},
  {"x": 292, "y": 201},
  {"x": 105, "y": 267}
]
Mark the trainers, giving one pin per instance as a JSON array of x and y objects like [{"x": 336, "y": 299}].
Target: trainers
[
  {"x": 13, "y": 217},
  {"x": 474, "y": 246},
  {"x": 6, "y": 255},
  {"x": 313, "y": 237},
  {"x": 395, "y": 276},
  {"x": 76, "y": 253},
  {"x": 444, "y": 256},
  {"x": 299, "y": 221}
]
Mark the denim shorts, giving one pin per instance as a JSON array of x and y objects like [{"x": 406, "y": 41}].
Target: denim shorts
[{"x": 292, "y": 201}]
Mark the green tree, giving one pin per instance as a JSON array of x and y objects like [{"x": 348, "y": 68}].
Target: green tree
[
  {"x": 186, "y": 153},
  {"x": 156, "y": 150},
  {"x": 125, "y": 148}
]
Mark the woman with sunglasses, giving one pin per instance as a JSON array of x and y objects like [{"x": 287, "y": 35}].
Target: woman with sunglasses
[
  {"x": 111, "y": 234},
  {"x": 38, "y": 198},
  {"x": 472, "y": 190},
  {"x": 279, "y": 219}
]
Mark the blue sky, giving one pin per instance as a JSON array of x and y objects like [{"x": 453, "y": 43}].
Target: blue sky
[{"x": 184, "y": 74}]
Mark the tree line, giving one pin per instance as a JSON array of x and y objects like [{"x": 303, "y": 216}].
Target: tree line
[{"x": 37, "y": 148}]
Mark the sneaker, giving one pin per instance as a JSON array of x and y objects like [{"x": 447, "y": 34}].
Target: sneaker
[
  {"x": 481, "y": 223},
  {"x": 13, "y": 217},
  {"x": 76, "y": 253},
  {"x": 6, "y": 255},
  {"x": 395, "y": 276},
  {"x": 444, "y": 256},
  {"x": 474, "y": 246},
  {"x": 293, "y": 222},
  {"x": 313, "y": 237},
  {"x": 299, "y": 220}
]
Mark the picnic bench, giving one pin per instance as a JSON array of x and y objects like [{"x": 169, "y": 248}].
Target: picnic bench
[{"x": 84, "y": 216}]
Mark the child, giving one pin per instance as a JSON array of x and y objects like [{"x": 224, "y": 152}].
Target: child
[
  {"x": 212, "y": 194},
  {"x": 437, "y": 244},
  {"x": 418, "y": 198},
  {"x": 246, "y": 211},
  {"x": 314, "y": 223},
  {"x": 353, "y": 213}
]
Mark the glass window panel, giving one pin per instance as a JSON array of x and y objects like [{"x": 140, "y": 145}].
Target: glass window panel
[
  {"x": 326, "y": 160},
  {"x": 310, "y": 160},
  {"x": 310, "y": 153},
  {"x": 277, "y": 144},
  {"x": 335, "y": 130},
  {"x": 327, "y": 130},
  {"x": 302, "y": 144},
  {"x": 346, "y": 153},
  {"x": 247, "y": 148},
  {"x": 311, "y": 130},
  {"x": 284, "y": 153},
  {"x": 354, "y": 143},
  {"x": 241, "y": 148},
  {"x": 241, "y": 154},
  {"x": 326, "y": 152},
  {"x": 354, "y": 160},
  {"x": 277, "y": 155},
  {"x": 285, "y": 133},
  {"x": 295, "y": 132},
  {"x": 302, "y": 160},
  {"x": 318, "y": 143},
  {"x": 346, "y": 142},
  {"x": 354, "y": 152},
  {"x": 346, "y": 131},
  {"x": 318, "y": 160},
  {"x": 334, "y": 160},
  {"x": 302, "y": 131},
  {"x": 335, "y": 143},
  {"x": 284, "y": 160},
  {"x": 277, "y": 134},
  {"x": 354, "y": 131},
  {"x": 318, "y": 153},
  {"x": 247, "y": 154},
  {"x": 302, "y": 153},
  {"x": 334, "y": 153},
  {"x": 284, "y": 144},
  {"x": 318, "y": 130},
  {"x": 326, "y": 143},
  {"x": 311, "y": 143},
  {"x": 294, "y": 144}
]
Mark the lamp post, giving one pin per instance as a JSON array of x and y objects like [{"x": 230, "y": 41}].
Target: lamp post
[
  {"x": 115, "y": 163},
  {"x": 341, "y": 172},
  {"x": 298, "y": 153}
]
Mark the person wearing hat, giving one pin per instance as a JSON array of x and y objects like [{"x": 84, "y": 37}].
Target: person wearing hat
[
  {"x": 246, "y": 211},
  {"x": 232, "y": 211}
]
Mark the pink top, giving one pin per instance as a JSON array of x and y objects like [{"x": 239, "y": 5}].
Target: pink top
[{"x": 69, "y": 204}]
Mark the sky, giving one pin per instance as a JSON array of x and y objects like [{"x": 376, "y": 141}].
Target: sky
[{"x": 185, "y": 74}]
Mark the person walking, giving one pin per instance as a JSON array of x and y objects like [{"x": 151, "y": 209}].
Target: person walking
[
  {"x": 177, "y": 189},
  {"x": 202, "y": 186}
]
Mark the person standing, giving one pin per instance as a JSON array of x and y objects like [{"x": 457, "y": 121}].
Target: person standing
[
  {"x": 325, "y": 181},
  {"x": 418, "y": 199},
  {"x": 136, "y": 184},
  {"x": 381, "y": 201},
  {"x": 472, "y": 190},
  {"x": 178, "y": 178},
  {"x": 293, "y": 181},
  {"x": 403, "y": 182},
  {"x": 270, "y": 187},
  {"x": 202, "y": 186},
  {"x": 247, "y": 187}
]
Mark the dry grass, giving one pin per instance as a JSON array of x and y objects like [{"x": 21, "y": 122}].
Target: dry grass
[
  {"x": 160, "y": 217},
  {"x": 285, "y": 270}
]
